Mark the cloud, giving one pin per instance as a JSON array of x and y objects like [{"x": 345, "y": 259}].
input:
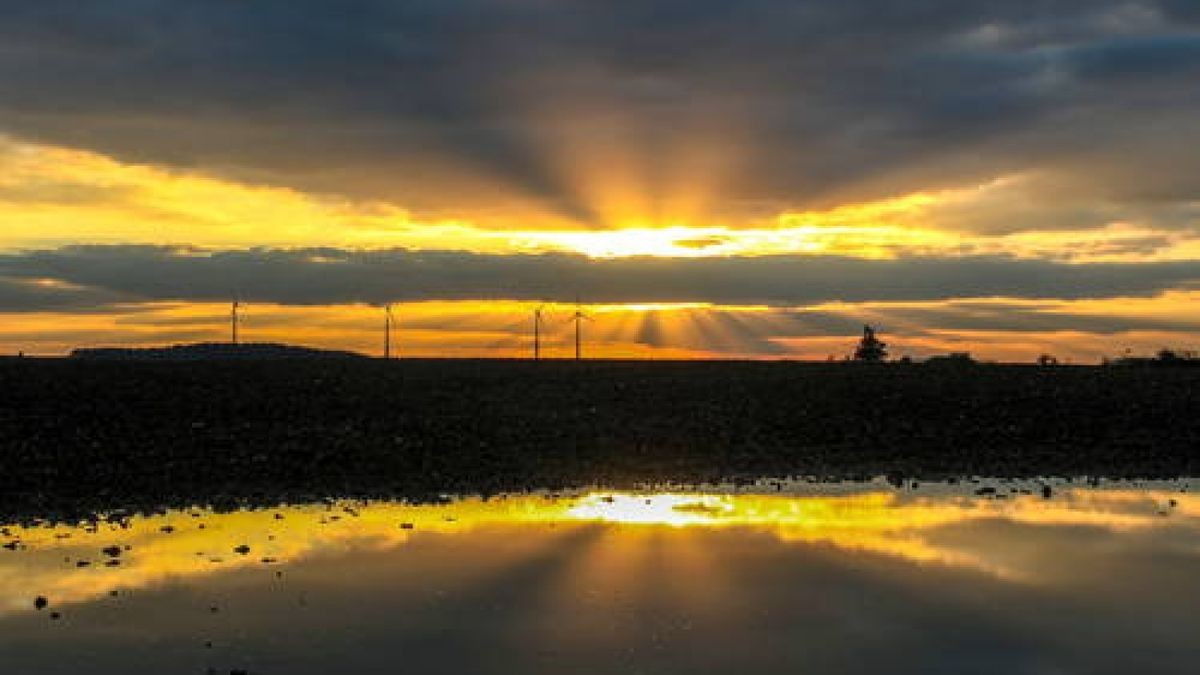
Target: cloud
[
  {"x": 581, "y": 114},
  {"x": 1138, "y": 59},
  {"x": 765, "y": 306},
  {"x": 320, "y": 276},
  {"x": 51, "y": 196},
  {"x": 26, "y": 294}
]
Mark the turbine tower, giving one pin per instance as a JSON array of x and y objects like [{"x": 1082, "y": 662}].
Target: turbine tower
[
  {"x": 234, "y": 320},
  {"x": 579, "y": 318},
  {"x": 388, "y": 322},
  {"x": 537, "y": 332}
]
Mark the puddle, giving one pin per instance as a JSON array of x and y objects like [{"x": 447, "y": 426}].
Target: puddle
[{"x": 777, "y": 577}]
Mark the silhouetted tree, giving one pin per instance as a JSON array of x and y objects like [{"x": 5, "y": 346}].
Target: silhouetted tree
[
  {"x": 870, "y": 349},
  {"x": 1047, "y": 360}
]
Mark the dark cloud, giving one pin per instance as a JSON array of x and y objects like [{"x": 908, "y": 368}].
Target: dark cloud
[
  {"x": 446, "y": 104},
  {"x": 132, "y": 282},
  {"x": 334, "y": 276},
  {"x": 1141, "y": 58},
  {"x": 24, "y": 294},
  {"x": 1182, "y": 11}
]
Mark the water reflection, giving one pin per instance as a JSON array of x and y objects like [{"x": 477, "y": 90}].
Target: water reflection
[{"x": 562, "y": 582}]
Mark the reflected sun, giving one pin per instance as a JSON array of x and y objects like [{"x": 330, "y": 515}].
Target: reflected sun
[{"x": 659, "y": 509}]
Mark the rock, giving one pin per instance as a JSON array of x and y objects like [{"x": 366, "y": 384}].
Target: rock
[{"x": 40, "y": 603}]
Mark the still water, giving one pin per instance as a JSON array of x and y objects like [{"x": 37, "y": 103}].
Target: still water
[{"x": 773, "y": 578}]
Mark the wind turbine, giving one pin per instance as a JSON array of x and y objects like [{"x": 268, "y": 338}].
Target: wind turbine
[
  {"x": 389, "y": 321},
  {"x": 578, "y": 317},
  {"x": 537, "y": 331},
  {"x": 234, "y": 320}
]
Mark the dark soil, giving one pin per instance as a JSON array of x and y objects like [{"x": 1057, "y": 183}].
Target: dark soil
[{"x": 79, "y": 436}]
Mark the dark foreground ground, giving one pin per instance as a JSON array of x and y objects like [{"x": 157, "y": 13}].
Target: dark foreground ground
[{"x": 77, "y": 437}]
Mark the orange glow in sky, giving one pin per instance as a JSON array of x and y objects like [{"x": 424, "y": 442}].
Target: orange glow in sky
[
  {"x": 51, "y": 196},
  {"x": 475, "y": 329},
  {"x": 55, "y": 196}
]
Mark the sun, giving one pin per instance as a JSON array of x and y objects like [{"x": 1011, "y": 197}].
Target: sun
[{"x": 672, "y": 241}]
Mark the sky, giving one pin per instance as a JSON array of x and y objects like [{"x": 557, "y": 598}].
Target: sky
[{"x": 710, "y": 179}]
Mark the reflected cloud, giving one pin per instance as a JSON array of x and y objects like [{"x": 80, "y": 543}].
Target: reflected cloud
[{"x": 77, "y": 564}]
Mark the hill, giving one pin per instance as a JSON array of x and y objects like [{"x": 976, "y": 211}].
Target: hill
[{"x": 208, "y": 351}]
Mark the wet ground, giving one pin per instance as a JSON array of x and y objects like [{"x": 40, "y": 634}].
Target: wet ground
[
  {"x": 974, "y": 577},
  {"x": 80, "y": 436}
]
